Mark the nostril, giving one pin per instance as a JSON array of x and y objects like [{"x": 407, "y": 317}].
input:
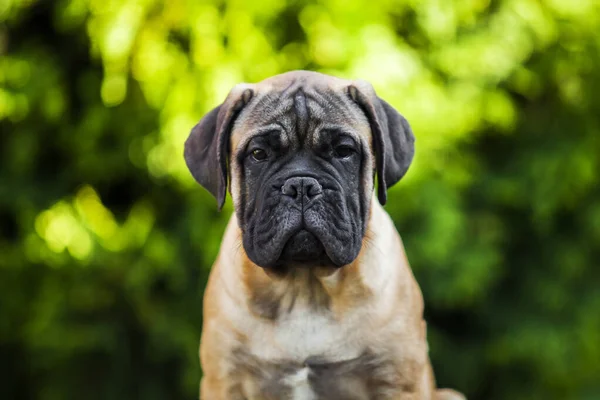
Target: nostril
[
  {"x": 313, "y": 189},
  {"x": 289, "y": 189}
]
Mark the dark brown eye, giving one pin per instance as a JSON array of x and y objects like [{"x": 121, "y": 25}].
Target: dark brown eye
[
  {"x": 343, "y": 151},
  {"x": 259, "y": 154}
]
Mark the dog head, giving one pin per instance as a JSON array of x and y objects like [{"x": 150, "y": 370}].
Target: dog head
[{"x": 301, "y": 151}]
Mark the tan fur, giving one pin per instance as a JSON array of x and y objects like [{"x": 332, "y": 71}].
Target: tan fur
[
  {"x": 374, "y": 302},
  {"x": 256, "y": 322}
]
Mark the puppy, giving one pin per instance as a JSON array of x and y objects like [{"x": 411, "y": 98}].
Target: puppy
[{"x": 311, "y": 296}]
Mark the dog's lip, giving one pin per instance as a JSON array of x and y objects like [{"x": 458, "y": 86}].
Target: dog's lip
[
  {"x": 301, "y": 231},
  {"x": 306, "y": 228},
  {"x": 276, "y": 260},
  {"x": 287, "y": 237},
  {"x": 295, "y": 232}
]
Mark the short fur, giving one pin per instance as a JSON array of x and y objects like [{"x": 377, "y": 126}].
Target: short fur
[{"x": 311, "y": 296}]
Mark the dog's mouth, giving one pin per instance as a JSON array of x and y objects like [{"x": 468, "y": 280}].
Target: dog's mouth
[
  {"x": 299, "y": 240},
  {"x": 304, "y": 247}
]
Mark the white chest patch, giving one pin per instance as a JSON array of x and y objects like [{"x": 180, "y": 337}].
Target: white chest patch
[
  {"x": 299, "y": 384},
  {"x": 307, "y": 355},
  {"x": 305, "y": 333}
]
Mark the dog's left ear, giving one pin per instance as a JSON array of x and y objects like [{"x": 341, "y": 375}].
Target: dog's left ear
[
  {"x": 393, "y": 139},
  {"x": 207, "y": 147}
]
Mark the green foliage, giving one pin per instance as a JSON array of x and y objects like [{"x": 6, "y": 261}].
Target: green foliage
[{"x": 106, "y": 241}]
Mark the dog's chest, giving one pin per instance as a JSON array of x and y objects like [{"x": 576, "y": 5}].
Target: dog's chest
[
  {"x": 314, "y": 379},
  {"x": 305, "y": 332},
  {"x": 308, "y": 356}
]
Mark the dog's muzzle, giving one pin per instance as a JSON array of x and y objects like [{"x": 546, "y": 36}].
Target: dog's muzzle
[{"x": 303, "y": 245}]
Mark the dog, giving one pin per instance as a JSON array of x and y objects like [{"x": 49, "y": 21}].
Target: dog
[{"x": 311, "y": 295}]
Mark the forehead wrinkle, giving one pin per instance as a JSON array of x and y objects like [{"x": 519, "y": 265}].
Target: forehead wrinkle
[
  {"x": 266, "y": 110},
  {"x": 272, "y": 106},
  {"x": 331, "y": 111},
  {"x": 284, "y": 118},
  {"x": 268, "y": 106},
  {"x": 284, "y": 113},
  {"x": 321, "y": 106},
  {"x": 341, "y": 104},
  {"x": 293, "y": 87},
  {"x": 302, "y": 114},
  {"x": 252, "y": 127}
]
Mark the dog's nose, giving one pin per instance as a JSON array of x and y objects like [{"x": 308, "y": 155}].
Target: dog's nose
[{"x": 298, "y": 187}]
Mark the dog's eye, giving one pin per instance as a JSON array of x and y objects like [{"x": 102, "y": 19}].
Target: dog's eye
[
  {"x": 259, "y": 154},
  {"x": 343, "y": 151}
]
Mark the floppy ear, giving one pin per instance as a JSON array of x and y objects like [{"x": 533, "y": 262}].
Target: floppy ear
[
  {"x": 393, "y": 139},
  {"x": 207, "y": 147}
]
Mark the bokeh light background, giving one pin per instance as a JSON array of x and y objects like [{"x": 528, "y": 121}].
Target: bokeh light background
[{"x": 106, "y": 241}]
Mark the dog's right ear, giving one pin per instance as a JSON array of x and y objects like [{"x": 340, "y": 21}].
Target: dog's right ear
[{"x": 207, "y": 147}]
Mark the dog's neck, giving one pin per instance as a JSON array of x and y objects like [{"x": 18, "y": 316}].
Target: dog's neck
[{"x": 368, "y": 279}]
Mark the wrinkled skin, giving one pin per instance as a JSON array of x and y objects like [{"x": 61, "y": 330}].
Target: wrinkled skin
[
  {"x": 303, "y": 170},
  {"x": 301, "y": 151}
]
